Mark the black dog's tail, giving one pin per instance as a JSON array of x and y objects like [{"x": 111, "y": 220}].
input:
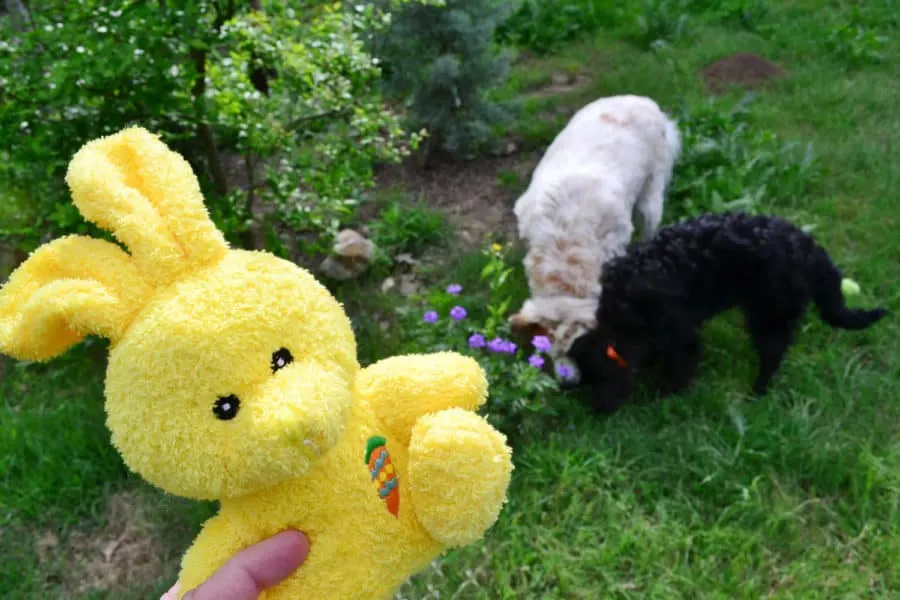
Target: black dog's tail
[{"x": 825, "y": 279}]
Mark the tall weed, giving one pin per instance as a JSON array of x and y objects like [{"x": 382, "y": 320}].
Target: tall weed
[{"x": 727, "y": 163}]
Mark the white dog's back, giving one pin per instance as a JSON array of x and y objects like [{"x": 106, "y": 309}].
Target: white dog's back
[
  {"x": 612, "y": 142},
  {"x": 607, "y": 134},
  {"x": 614, "y": 156}
]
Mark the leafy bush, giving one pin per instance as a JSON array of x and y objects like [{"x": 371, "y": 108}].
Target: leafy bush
[
  {"x": 475, "y": 323},
  {"x": 403, "y": 228},
  {"x": 747, "y": 13},
  {"x": 541, "y": 26},
  {"x": 728, "y": 164},
  {"x": 658, "y": 21},
  {"x": 443, "y": 62},
  {"x": 277, "y": 108},
  {"x": 858, "y": 41}
]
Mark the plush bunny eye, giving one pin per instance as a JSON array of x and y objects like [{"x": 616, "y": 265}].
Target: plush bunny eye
[
  {"x": 226, "y": 407},
  {"x": 281, "y": 359}
]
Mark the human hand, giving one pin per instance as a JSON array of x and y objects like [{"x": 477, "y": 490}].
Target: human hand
[{"x": 252, "y": 570}]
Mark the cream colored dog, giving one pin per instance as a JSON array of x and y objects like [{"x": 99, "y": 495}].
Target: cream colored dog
[{"x": 614, "y": 156}]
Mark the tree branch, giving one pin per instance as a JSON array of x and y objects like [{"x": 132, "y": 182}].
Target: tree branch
[
  {"x": 337, "y": 112},
  {"x": 204, "y": 132}
]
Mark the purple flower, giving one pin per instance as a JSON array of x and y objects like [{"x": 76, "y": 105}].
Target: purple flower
[
  {"x": 476, "y": 340},
  {"x": 497, "y": 345},
  {"x": 500, "y": 345},
  {"x": 536, "y": 361},
  {"x": 430, "y": 317},
  {"x": 564, "y": 371},
  {"x": 541, "y": 343},
  {"x": 454, "y": 288},
  {"x": 457, "y": 313}
]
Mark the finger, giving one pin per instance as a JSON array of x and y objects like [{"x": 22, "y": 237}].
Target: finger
[{"x": 258, "y": 567}]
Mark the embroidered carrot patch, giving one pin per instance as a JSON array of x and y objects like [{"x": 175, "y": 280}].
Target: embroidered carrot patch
[{"x": 383, "y": 473}]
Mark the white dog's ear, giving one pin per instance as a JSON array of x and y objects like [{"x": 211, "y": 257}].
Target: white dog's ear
[
  {"x": 520, "y": 321},
  {"x": 526, "y": 318},
  {"x": 527, "y": 322}
]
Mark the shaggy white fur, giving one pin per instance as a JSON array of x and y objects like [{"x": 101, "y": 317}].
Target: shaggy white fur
[{"x": 614, "y": 156}]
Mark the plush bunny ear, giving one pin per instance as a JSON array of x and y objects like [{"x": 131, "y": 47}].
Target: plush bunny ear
[
  {"x": 131, "y": 184},
  {"x": 67, "y": 289}
]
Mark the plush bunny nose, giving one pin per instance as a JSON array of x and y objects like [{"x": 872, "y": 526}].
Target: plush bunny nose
[
  {"x": 299, "y": 427},
  {"x": 305, "y": 424}
]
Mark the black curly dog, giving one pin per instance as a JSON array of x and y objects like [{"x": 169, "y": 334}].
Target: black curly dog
[{"x": 656, "y": 297}]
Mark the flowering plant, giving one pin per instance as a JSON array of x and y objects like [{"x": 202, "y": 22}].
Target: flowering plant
[{"x": 475, "y": 323}]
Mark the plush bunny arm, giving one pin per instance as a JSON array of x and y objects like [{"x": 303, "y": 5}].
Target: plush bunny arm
[
  {"x": 459, "y": 469},
  {"x": 401, "y": 389}
]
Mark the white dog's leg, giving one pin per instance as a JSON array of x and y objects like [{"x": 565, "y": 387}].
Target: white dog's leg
[
  {"x": 652, "y": 197},
  {"x": 650, "y": 205}
]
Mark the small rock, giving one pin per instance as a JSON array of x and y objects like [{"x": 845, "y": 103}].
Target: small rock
[
  {"x": 562, "y": 79},
  {"x": 353, "y": 255},
  {"x": 511, "y": 148},
  {"x": 342, "y": 270},
  {"x": 350, "y": 244},
  {"x": 408, "y": 284},
  {"x": 388, "y": 284},
  {"x": 405, "y": 258}
]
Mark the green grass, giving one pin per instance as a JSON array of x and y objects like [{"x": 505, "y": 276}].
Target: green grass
[{"x": 705, "y": 496}]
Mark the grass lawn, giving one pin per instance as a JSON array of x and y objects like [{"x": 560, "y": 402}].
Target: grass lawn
[{"x": 704, "y": 496}]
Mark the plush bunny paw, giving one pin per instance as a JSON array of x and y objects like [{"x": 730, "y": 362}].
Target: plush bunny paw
[{"x": 459, "y": 469}]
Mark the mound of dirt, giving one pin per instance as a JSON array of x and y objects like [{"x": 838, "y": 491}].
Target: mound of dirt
[
  {"x": 468, "y": 193},
  {"x": 745, "y": 70}
]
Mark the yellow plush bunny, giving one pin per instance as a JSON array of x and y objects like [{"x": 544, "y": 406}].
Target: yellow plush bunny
[{"x": 233, "y": 375}]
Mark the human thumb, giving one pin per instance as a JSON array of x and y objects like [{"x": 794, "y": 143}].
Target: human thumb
[{"x": 255, "y": 569}]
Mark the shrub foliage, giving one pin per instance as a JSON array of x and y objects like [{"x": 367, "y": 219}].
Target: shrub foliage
[{"x": 275, "y": 104}]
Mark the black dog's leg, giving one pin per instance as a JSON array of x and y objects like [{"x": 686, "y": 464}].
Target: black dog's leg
[
  {"x": 680, "y": 361},
  {"x": 771, "y": 337}
]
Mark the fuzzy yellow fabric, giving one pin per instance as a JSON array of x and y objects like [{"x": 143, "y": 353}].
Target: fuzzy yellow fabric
[
  {"x": 233, "y": 376},
  {"x": 67, "y": 289}
]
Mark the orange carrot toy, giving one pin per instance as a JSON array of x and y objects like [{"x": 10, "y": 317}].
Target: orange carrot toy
[{"x": 383, "y": 473}]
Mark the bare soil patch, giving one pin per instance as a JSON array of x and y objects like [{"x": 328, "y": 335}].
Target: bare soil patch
[
  {"x": 560, "y": 84},
  {"x": 744, "y": 70},
  {"x": 469, "y": 192},
  {"x": 120, "y": 554}
]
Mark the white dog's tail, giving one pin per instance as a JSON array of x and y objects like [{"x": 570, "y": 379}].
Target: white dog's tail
[{"x": 673, "y": 142}]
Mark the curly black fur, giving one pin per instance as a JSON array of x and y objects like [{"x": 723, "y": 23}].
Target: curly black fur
[{"x": 656, "y": 297}]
